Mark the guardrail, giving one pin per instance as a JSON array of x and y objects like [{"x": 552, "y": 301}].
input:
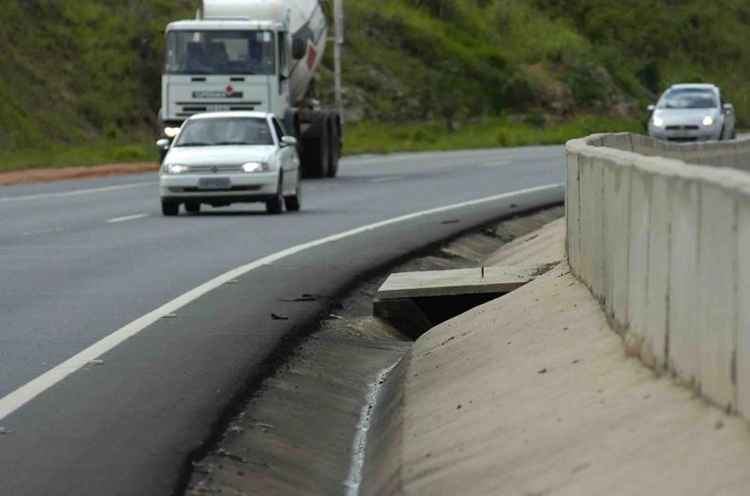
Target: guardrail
[{"x": 665, "y": 246}]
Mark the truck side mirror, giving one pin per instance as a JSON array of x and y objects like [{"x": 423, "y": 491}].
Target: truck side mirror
[
  {"x": 299, "y": 48},
  {"x": 651, "y": 108}
]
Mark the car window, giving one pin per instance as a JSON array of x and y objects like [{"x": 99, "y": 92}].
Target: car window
[{"x": 225, "y": 131}]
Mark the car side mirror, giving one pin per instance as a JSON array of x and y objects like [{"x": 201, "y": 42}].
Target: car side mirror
[
  {"x": 651, "y": 108},
  {"x": 299, "y": 48},
  {"x": 728, "y": 108},
  {"x": 288, "y": 141},
  {"x": 163, "y": 146}
]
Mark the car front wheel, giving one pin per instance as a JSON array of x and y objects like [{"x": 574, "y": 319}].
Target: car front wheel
[
  {"x": 275, "y": 205},
  {"x": 294, "y": 202}
]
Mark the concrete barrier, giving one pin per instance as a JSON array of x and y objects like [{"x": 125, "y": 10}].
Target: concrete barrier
[{"x": 660, "y": 233}]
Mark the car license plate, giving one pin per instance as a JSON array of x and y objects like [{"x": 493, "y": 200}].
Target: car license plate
[{"x": 213, "y": 183}]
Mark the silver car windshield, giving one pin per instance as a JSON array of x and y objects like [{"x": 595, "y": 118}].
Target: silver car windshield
[
  {"x": 689, "y": 99},
  {"x": 225, "y": 132},
  {"x": 220, "y": 52}
]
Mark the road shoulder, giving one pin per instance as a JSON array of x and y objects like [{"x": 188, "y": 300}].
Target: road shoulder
[{"x": 44, "y": 175}]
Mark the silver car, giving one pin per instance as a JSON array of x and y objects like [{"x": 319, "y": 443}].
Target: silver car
[
  {"x": 230, "y": 157},
  {"x": 692, "y": 112}
]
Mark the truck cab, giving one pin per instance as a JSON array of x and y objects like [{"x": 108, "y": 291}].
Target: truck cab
[
  {"x": 225, "y": 65},
  {"x": 254, "y": 55}
]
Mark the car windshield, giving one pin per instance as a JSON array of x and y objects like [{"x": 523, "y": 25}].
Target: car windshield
[
  {"x": 220, "y": 52},
  {"x": 689, "y": 99},
  {"x": 225, "y": 131}
]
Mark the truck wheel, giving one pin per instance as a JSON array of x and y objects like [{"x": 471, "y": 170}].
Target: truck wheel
[
  {"x": 169, "y": 209},
  {"x": 275, "y": 205},
  {"x": 193, "y": 208},
  {"x": 315, "y": 154},
  {"x": 334, "y": 147},
  {"x": 294, "y": 202}
]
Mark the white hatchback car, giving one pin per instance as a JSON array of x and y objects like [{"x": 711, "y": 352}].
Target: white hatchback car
[
  {"x": 692, "y": 112},
  {"x": 230, "y": 157}
]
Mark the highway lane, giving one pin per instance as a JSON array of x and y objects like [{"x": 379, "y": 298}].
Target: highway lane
[{"x": 82, "y": 259}]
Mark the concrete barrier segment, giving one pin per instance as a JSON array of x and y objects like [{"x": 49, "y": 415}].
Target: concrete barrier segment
[
  {"x": 617, "y": 194},
  {"x": 638, "y": 257},
  {"x": 659, "y": 241},
  {"x": 656, "y": 321},
  {"x": 742, "y": 372},
  {"x": 716, "y": 285},
  {"x": 683, "y": 282}
]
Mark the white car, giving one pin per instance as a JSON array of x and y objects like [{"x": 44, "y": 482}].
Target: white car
[
  {"x": 692, "y": 112},
  {"x": 230, "y": 157}
]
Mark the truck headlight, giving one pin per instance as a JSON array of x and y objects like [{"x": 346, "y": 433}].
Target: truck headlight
[
  {"x": 658, "y": 122},
  {"x": 256, "y": 167},
  {"x": 708, "y": 121},
  {"x": 176, "y": 168}
]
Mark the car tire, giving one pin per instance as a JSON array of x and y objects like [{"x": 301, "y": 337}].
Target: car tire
[
  {"x": 193, "y": 208},
  {"x": 169, "y": 209},
  {"x": 294, "y": 202},
  {"x": 275, "y": 205}
]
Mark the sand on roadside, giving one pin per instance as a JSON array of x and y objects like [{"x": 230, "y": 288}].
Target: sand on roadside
[{"x": 29, "y": 176}]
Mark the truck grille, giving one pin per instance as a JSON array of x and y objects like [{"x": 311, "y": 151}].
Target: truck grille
[{"x": 188, "y": 109}]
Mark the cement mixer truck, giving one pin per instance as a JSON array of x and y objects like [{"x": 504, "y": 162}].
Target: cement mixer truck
[{"x": 260, "y": 55}]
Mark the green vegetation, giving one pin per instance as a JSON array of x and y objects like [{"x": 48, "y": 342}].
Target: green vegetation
[
  {"x": 372, "y": 137},
  {"x": 80, "y": 80},
  {"x": 58, "y": 155}
]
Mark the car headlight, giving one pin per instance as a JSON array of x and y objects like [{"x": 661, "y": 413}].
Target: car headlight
[
  {"x": 708, "y": 121},
  {"x": 176, "y": 168},
  {"x": 256, "y": 167},
  {"x": 658, "y": 122}
]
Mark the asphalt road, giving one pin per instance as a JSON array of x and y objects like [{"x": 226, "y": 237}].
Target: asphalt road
[{"x": 83, "y": 260}]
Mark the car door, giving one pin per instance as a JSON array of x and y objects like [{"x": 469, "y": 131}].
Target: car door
[{"x": 287, "y": 157}]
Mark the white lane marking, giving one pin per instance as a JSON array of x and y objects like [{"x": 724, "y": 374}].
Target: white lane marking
[
  {"x": 389, "y": 179},
  {"x": 76, "y": 192},
  {"x": 126, "y": 218},
  {"x": 35, "y": 387}
]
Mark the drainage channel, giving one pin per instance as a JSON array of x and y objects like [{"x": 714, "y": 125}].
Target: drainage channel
[{"x": 306, "y": 430}]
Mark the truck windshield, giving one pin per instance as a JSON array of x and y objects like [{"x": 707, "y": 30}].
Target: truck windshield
[
  {"x": 225, "y": 131},
  {"x": 220, "y": 52}
]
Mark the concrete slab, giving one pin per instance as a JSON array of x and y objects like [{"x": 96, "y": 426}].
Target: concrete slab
[{"x": 497, "y": 280}]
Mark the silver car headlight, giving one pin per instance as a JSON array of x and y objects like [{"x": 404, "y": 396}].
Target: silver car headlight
[
  {"x": 176, "y": 168},
  {"x": 708, "y": 121},
  {"x": 658, "y": 122},
  {"x": 256, "y": 167}
]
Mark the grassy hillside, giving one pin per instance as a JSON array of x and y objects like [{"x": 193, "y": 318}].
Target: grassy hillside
[{"x": 84, "y": 75}]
